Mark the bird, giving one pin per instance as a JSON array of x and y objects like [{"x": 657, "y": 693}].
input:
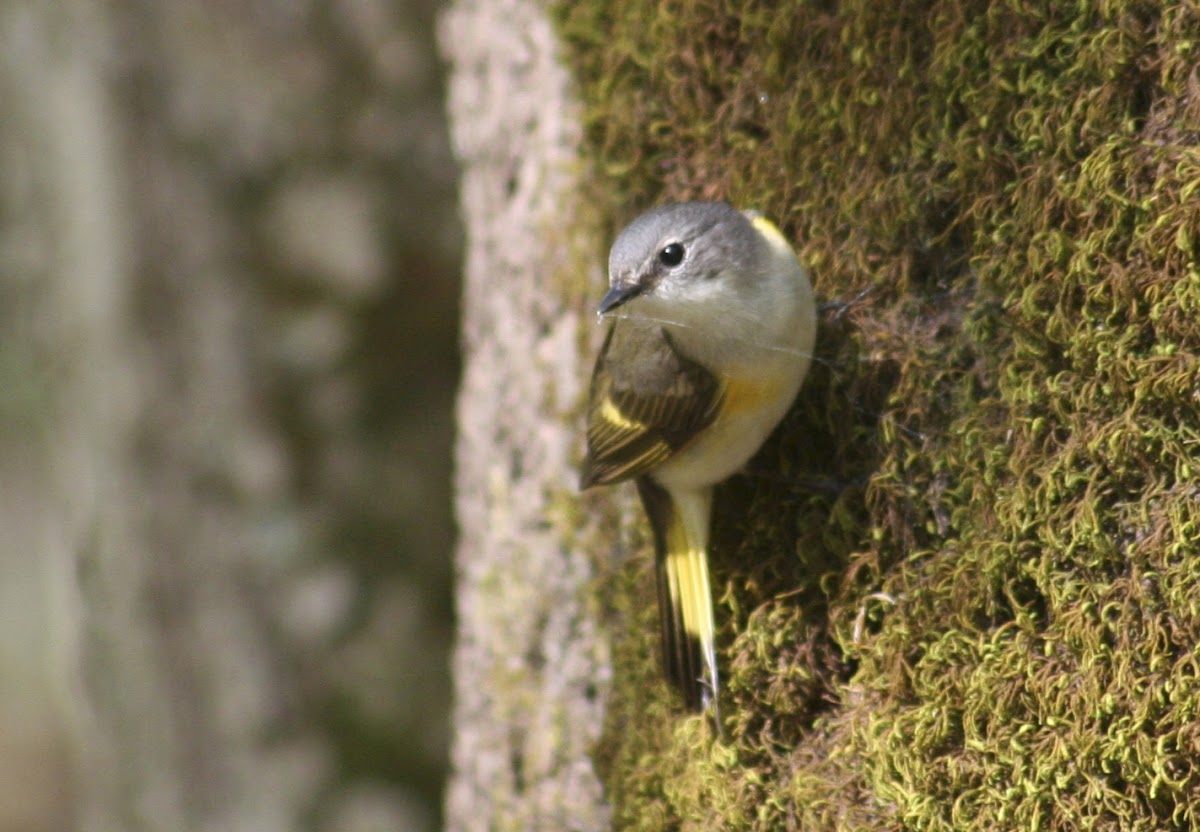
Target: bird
[{"x": 713, "y": 325}]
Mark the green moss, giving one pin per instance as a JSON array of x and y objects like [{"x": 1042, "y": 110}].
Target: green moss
[{"x": 994, "y": 624}]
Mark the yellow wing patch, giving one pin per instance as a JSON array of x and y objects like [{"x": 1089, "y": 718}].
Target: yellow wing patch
[
  {"x": 650, "y": 410},
  {"x": 615, "y": 418},
  {"x": 619, "y": 446}
]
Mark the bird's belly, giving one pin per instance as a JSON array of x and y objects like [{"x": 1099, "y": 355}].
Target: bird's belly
[{"x": 750, "y": 411}]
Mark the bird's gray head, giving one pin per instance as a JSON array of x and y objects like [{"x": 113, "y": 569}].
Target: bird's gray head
[{"x": 680, "y": 253}]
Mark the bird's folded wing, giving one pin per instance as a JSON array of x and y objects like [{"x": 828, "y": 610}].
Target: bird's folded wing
[{"x": 647, "y": 402}]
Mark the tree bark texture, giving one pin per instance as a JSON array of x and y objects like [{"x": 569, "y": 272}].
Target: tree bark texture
[{"x": 530, "y": 664}]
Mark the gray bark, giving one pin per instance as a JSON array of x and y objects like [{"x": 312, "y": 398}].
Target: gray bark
[{"x": 530, "y": 665}]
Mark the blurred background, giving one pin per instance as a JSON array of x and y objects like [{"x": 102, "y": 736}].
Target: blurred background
[{"x": 229, "y": 251}]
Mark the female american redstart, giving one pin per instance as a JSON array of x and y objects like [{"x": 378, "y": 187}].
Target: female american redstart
[{"x": 713, "y": 330}]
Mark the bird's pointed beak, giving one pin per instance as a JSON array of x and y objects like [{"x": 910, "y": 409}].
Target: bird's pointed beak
[{"x": 618, "y": 295}]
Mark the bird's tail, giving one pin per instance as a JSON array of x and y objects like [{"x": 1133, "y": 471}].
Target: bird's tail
[{"x": 680, "y": 522}]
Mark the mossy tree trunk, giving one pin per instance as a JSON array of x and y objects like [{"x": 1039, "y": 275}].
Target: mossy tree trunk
[{"x": 963, "y": 595}]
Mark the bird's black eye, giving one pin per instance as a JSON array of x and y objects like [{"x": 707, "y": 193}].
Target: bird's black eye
[{"x": 671, "y": 255}]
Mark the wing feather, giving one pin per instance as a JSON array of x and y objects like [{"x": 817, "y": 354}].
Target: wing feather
[{"x": 647, "y": 402}]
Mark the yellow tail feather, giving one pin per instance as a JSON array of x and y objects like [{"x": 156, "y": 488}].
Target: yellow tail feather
[{"x": 680, "y": 521}]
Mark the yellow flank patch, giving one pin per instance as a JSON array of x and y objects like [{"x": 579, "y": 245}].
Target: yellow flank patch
[
  {"x": 610, "y": 414},
  {"x": 748, "y": 395}
]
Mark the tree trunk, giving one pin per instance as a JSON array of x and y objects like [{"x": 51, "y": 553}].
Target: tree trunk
[
  {"x": 961, "y": 594},
  {"x": 199, "y": 292},
  {"x": 530, "y": 665}
]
